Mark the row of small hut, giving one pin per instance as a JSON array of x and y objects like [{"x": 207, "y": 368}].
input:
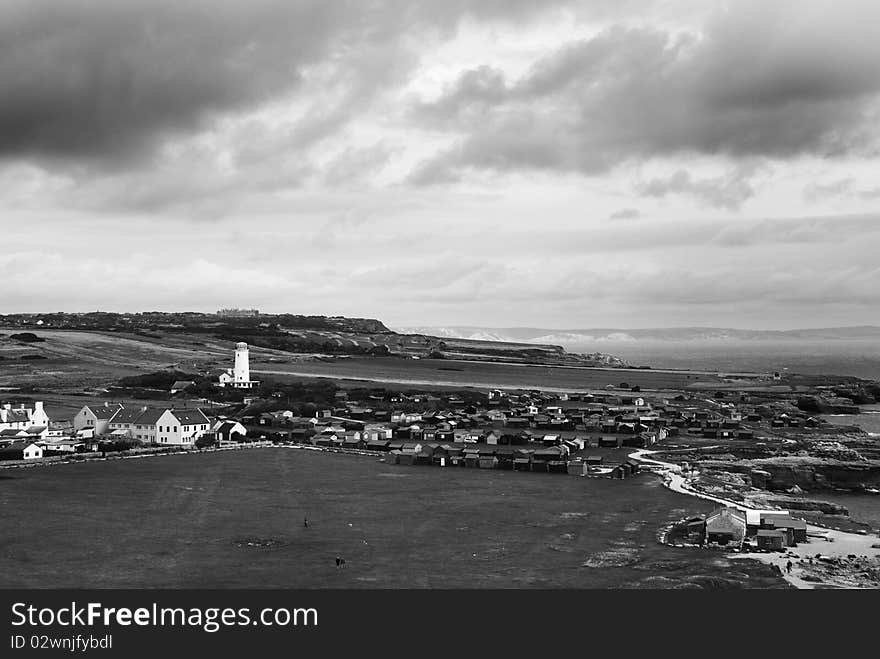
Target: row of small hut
[{"x": 548, "y": 459}]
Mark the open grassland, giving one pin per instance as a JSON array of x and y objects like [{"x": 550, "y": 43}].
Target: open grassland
[
  {"x": 235, "y": 519},
  {"x": 447, "y": 373},
  {"x": 76, "y": 359}
]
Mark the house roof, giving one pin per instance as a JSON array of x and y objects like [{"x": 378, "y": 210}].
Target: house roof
[
  {"x": 182, "y": 384},
  {"x": 787, "y": 523},
  {"x": 137, "y": 415},
  {"x": 17, "y": 415},
  {"x": 189, "y": 417},
  {"x": 227, "y": 426},
  {"x": 104, "y": 411},
  {"x": 725, "y": 521}
]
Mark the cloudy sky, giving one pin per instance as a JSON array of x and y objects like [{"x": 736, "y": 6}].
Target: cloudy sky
[{"x": 628, "y": 163}]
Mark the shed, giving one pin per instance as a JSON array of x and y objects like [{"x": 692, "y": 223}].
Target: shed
[
  {"x": 795, "y": 529},
  {"x": 725, "y": 527},
  {"x": 771, "y": 539},
  {"x": 634, "y": 465}
]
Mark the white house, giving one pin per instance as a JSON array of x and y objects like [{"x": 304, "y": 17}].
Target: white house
[
  {"x": 239, "y": 376},
  {"x": 136, "y": 423},
  {"x": 181, "y": 427},
  {"x": 21, "y": 451},
  {"x": 96, "y": 417},
  {"x": 22, "y": 418},
  {"x": 228, "y": 429}
]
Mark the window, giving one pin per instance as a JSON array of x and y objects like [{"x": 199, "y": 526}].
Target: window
[{"x": 175, "y": 428}]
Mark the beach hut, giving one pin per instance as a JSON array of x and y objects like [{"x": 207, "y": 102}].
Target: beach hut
[{"x": 771, "y": 539}]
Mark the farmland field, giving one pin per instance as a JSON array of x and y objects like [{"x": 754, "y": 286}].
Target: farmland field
[{"x": 234, "y": 519}]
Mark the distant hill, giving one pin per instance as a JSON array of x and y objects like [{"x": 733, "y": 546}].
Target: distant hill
[
  {"x": 333, "y": 335},
  {"x": 569, "y": 337}
]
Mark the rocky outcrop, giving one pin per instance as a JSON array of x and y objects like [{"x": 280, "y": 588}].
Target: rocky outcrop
[
  {"x": 760, "y": 478},
  {"x": 824, "y": 507},
  {"x": 820, "y": 475},
  {"x": 808, "y": 474}
]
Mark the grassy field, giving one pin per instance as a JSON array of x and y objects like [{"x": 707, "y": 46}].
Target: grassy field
[
  {"x": 234, "y": 519},
  {"x": 78, "y": 360},
  {"x": 443, "y": 373}
]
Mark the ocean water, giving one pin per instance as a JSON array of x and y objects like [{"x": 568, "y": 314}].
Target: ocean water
[
  {"x": 859, "y": 358},
  {"x": 862, "y": 507},
  {"x": 868, "y": 419}
]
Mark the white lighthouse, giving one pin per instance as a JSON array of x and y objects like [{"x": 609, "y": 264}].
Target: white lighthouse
[
  {"x": 241, "y": 372},
  {"x": 239, "y": 376}
]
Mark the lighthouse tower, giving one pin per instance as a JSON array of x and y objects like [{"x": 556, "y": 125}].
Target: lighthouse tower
[
  {"x": 239, "y": 376},
  {"x": 241, "y": 372}
]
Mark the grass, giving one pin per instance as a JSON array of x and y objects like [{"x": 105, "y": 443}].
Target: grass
[
  {"x": 187, "y": 521},
  {"x": 448, "y": 374}
]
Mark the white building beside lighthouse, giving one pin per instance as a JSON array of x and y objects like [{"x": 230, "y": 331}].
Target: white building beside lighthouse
[{"x": 239, "y": 376}]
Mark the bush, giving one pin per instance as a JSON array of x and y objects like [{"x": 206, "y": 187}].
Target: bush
[
  {"x": 27, "y": 337},
  {"x": 205, "y": 442},
  {"x": 157, "y": 380}
]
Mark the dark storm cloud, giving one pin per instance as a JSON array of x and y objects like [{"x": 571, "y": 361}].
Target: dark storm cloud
[
  {"x": 775, "y": 79},
  {"x": 96, "y": 78}
]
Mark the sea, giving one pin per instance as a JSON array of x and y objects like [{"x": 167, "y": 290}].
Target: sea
[
  {"x": 868, "y": 419},
  {"x": 859, "y": 358}
]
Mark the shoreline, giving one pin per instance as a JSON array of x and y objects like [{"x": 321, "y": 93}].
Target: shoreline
[{"x": 836, "y": 545}]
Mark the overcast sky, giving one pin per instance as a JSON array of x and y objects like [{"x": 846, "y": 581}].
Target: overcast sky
[{"x": 551, "y": 164}]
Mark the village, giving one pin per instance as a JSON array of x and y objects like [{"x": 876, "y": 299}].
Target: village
[{"x": 589, "y": 434}]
